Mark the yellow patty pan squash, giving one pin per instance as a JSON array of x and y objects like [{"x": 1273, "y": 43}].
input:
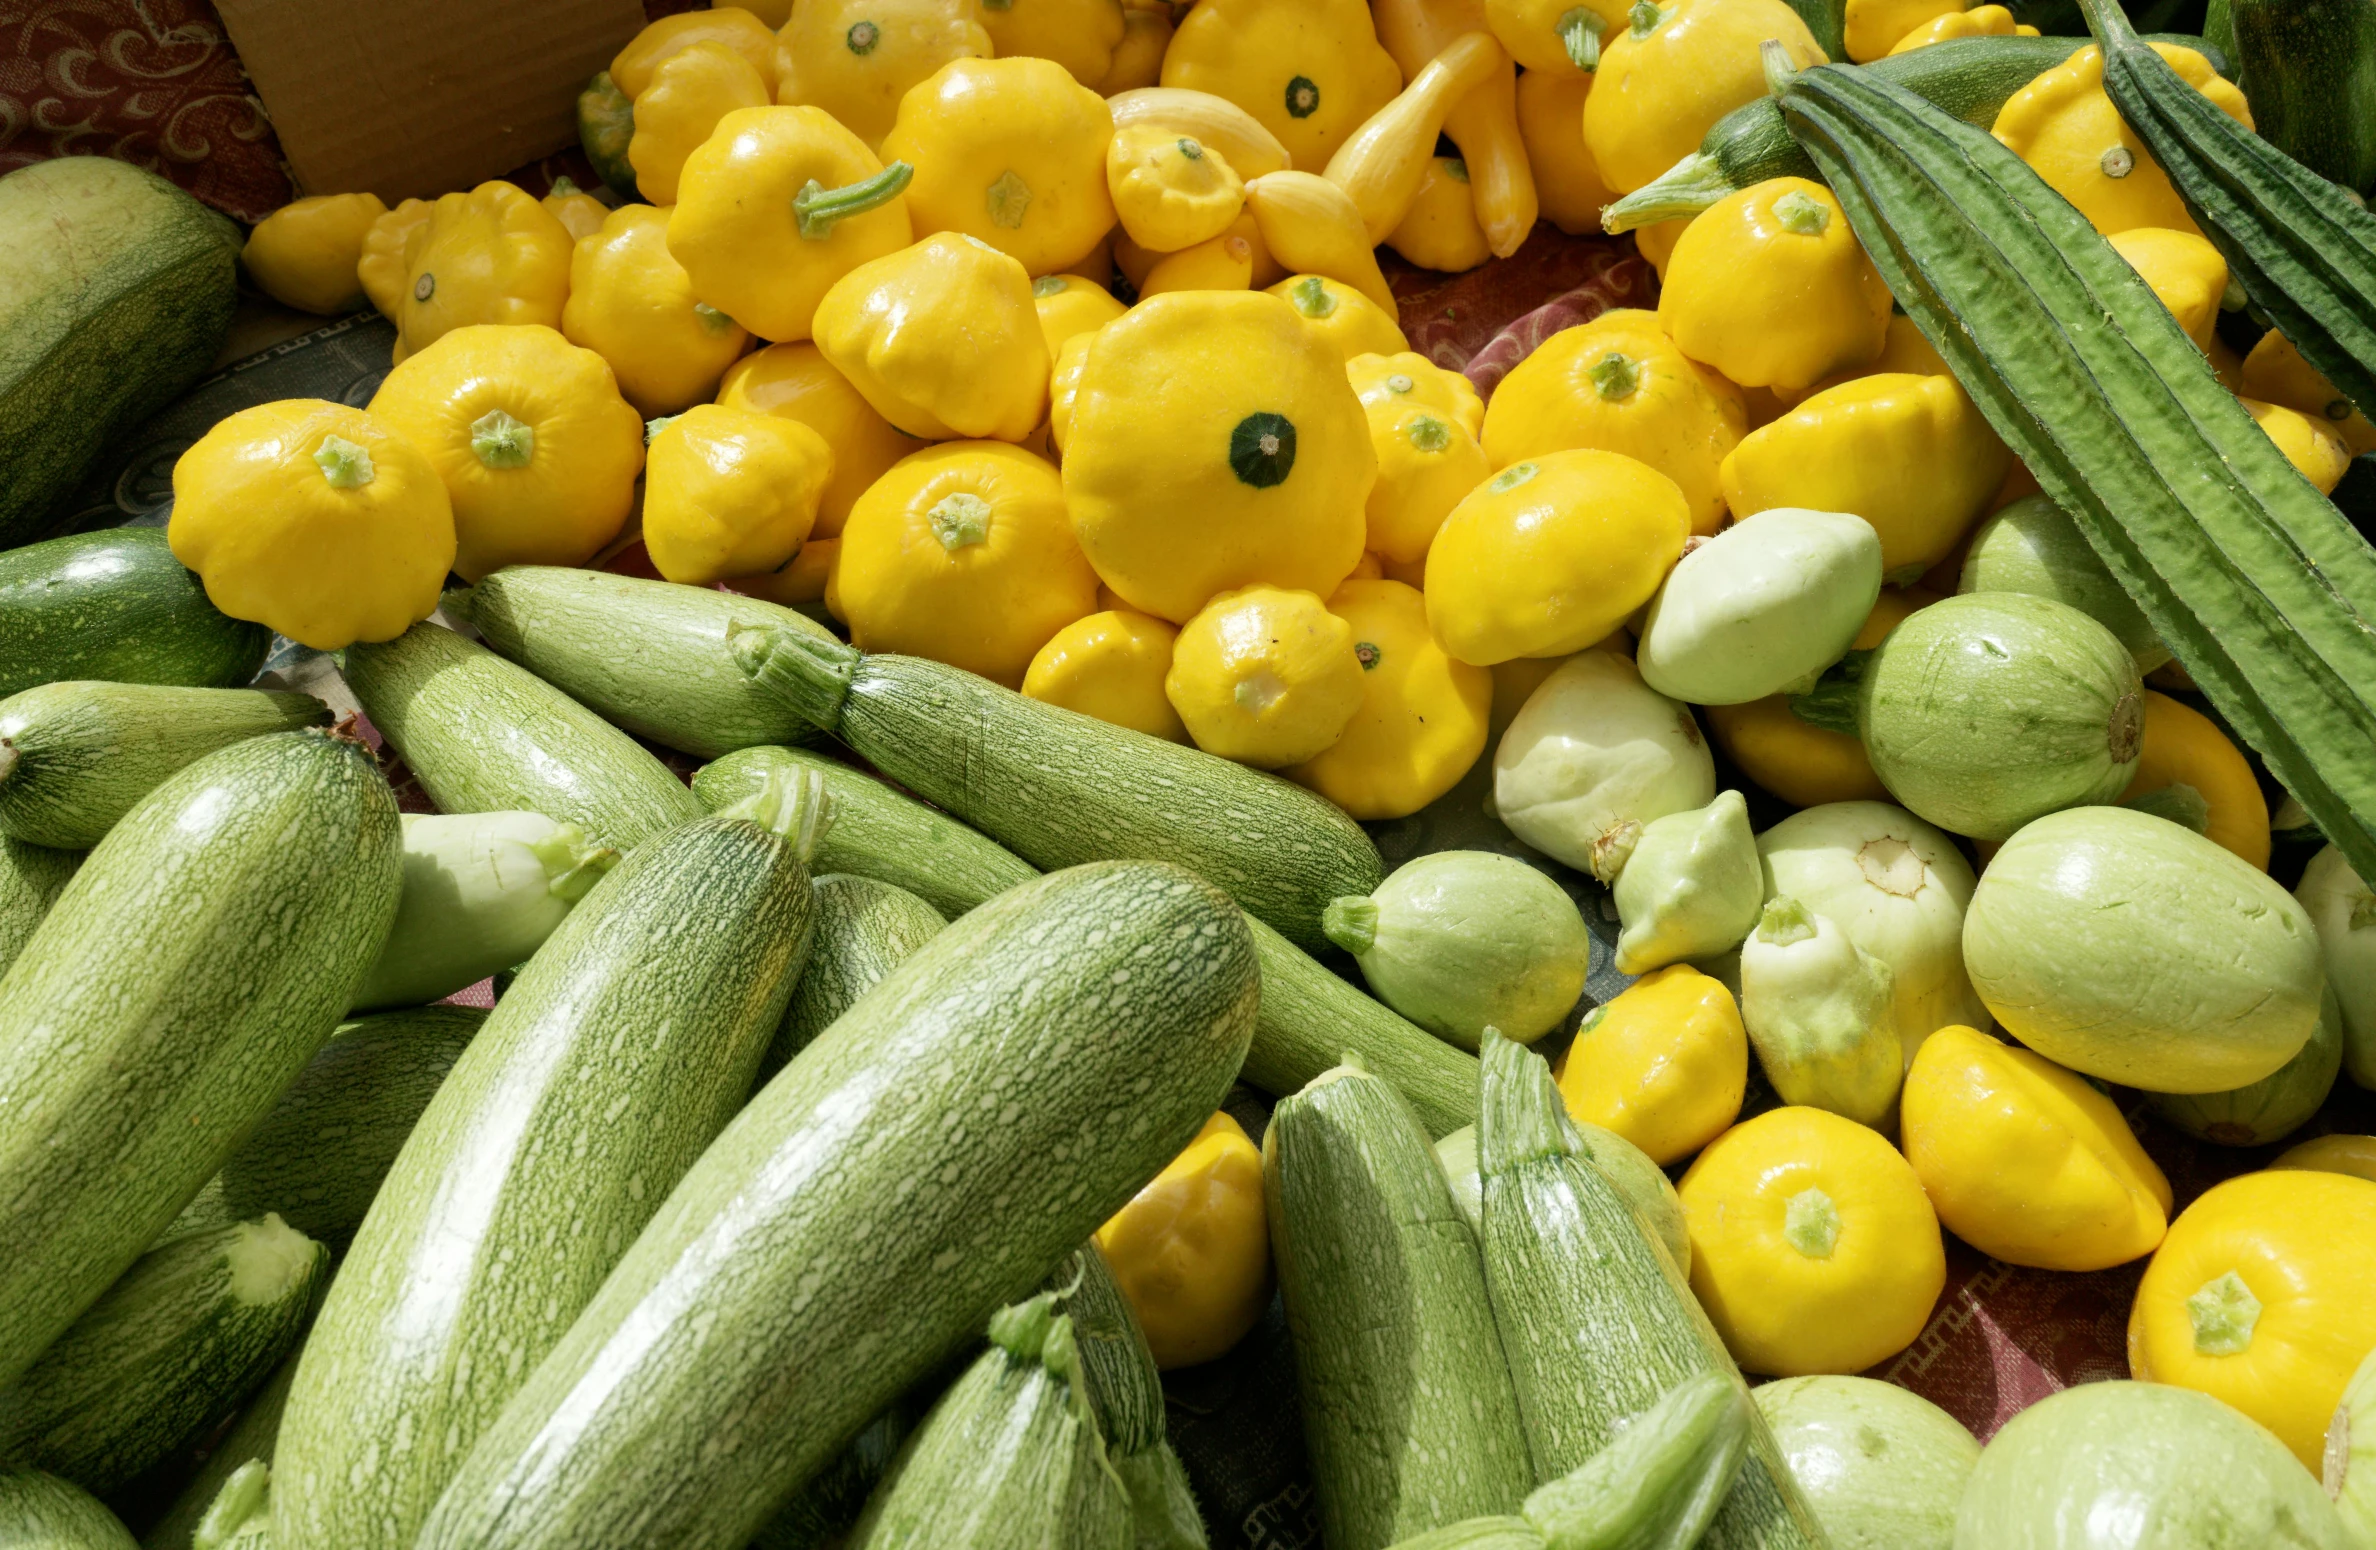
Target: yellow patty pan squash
[
  {"x": 1310, "y": 74},
  {"x": 962, "y": 553},
  {"x": 580, "y": 213},
  {"x": 730, "y": 492},
  {"x": 797, "y": 382},
  {"x": 1619, "y": 384},
  {"x": 2184, "y": 270},
  {"x": 1064, "y": 384},
  {"x": 1080, "y": 35},
  {"x": 537, "y": 450},
  {"x": 1411, "y": 380},
  {"x": 305, "y": 254},
  {"x": 1069, "y": 305},
  {"x": 1110, "y": 665},
  {"x": 1427, "y": 464},
  {"x": 1664, "y": 1063},
  {"x": 1550, "y": 555},
  {"x": 857, "y": 58},
  {"x": 1223, "y": 263},
  {"x": 804, "y": 579},
  {"x": 1903, "y": 349},
  {"x": 2261, "y": 1296},
  {"x": 2276, "y": 373},
  {"x": 1191, "y": 1251},
  {"x": 1137, "y": 62},
  {"x": 1672, "y": 71},
  {"x": 738, "y": 28},
  {"x": 315, "y": 520},
  {"x": 1265, "y": 676},
  {"x": 1339, "y": 313},
  {"x": 2184, "y": 747},
  {"x": 1170, "y": 190},
  {"x": 1813, "y": 1248},
  {"x": 1656, "y": 243},
  {"x": 1912, "y": 455},
  {"x": 1874, "y": 28},
  {"x": 1213, "y": 442},
  {"x": 2352, "y": 1155},
  {"x": 2066, "y": 128},
  {"x": 777, "y": 205},
  {"x": 2024, "y": 1160},
  {"x": 1441, "y": 231},
  {"x": 1981, "y": 21},
  {"x": 2312, "y": 446},
  {"x": 493, "y": 255},
  {"x": 1422, "y": 719},
  {"x": 691, "y": 90},
  {"x": 632, "y": 303},
  {"x": 1011, "y": 151},
  {"x": 1804, "y": 764},
  {"x": 384, "y": 268},
  {"x": 942, "y": 338},
  {"x": 1568, "y": 181},
  {"x": 1770, "y": 287},
  {"x": 1559, "y": 40}
]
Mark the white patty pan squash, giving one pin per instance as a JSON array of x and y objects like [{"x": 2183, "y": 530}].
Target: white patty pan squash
[
  {"x": 1763, "y": 607},
  {"x": 2343, "y": 909},
  {"x": 1691, "y": 888},
  {"x": 1820, "y": 1014},
  {"x": 1883, "y": 1468}
]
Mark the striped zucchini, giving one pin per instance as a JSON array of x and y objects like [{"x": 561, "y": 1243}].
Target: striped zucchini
[
  {"x": 42, "y": 1512},
  {"x": 1126, "y": 1393},
  {"x": 248, "y": 1442},
  {"x": 116, "y": 605},
  {"x": 1595, "y": 1320},
  {"x": 650, "y": 656},
  {"x": 172, "y": 1348},
  {"x": 187, "y": 974},
  {"x": 852, "y": 1228},
  {"x": 1407, "y": 1409},
  {"x": 1059, "y": 788},
  {"x": 2312, "y": 73},
  {"x": 320, "y": 1155},
  {"x": 865, "y": 929},
  {"x": 822, "y": 1512},
  {"x": 76, "y": 756},
  {"x": 628, "y": 1041},
  {"x": 485, "y": 736},
  {"x": 31, "y": 878}
]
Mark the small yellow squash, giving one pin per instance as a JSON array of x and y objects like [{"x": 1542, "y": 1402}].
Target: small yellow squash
[
  {"x": 1874, "y": 28},
  {"x": 1010, "y": 151},
  {"x": 1080, "y": 35},
  {"x": 1342, "y": 315},
  {"x": 1423, "y": 716},
  {"x": 2184, "y": 747},
  {"x": 1069, "y": 305},
  {"x": 2352, "y": 1155},
  {"x": 1412, "y": 380},
  {"x": 1981, "y": 21},
  {"x": 2312, "y": 446},
  {"x": 632, "y": 303},
  {"x": 731, "y": 492},
  {"x": 942, "y": 338},
  {"x": 691, "y": 90},
  {"x": 1427, "y": 464},
  {"x": 1309, "y": 73},
  {"x": 1804, "y": 764},
  {"x": 1551, "y": 122},
  {"x": 305, "y": 254},
  {"x": 1441, "y": 231},
  {"x": 1110, "y": 665},
  {"x": 1223, "y": 263},
  {"x": 1170, "y": 190},
  {"x": 580, "y": 213},
  {"x": 1191, "y": 1251},
  {"x": 493, "y": 255},
  {"x": 797, "y": 382},
  {"x": 736, "y": 27},
  {"x": 2066, "y": 128},
  {"x": 1770, "y": 287},
  {"x": 857, "y": 58},
  {"x": 2185, "y": 272},
  {"x": 1664, "y": 1063},
  {"x": 384, "y": 268},
  {"x": 2276, "y": 372},
  {"x": 1673, "y": 71},
  {"x": 1265, "y": 675},
  {"x": 1138, "y": 59}
]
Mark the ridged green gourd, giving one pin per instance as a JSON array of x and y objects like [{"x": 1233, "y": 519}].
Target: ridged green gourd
[
  {"x": 1124, "y": 991},
  {"x": 864, "y": 930},
  {"x": 116, "y": 605},
  {"x": 42, "y": 1512},
  {"x": 626, "y": 1044},
  {"x": 198, "y": 960},
  {"x": 1126, "y": 1393},
  {"x": 31, "y": 878},
  {"x": 250, "y": 1440}
]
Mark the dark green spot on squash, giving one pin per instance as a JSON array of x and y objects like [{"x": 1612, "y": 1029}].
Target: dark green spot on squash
[
  {"x": 862, "y": 37},
  {"x": 1262, "y": 449},
  {"x": 1303, "y": 97}
]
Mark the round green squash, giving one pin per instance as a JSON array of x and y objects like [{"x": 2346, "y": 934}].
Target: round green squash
[
  {"x": 1883, "y": 1468},
  {"x": 2033, "y": 546},
  {"x": 2275, "y": 1106}
]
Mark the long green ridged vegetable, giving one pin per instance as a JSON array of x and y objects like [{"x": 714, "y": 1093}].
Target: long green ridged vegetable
[
  {"x": 1126, "y": 1392},
  {"x": 31, "y": 878},
  {"x": 2245, "y": 571},
  {"x": 864, "y": 930},
  {"x": 195, "y": 964},
  {"x": 1408, "y": 1411},
  {"x": 718, "y": 1368},
  {"x": 43, "y": 1512},
  {"x": 249, "y": 1441},
  {"x": 626, "y": 1044}
]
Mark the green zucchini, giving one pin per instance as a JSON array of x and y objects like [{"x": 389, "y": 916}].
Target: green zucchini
[
  {"x": 1408, "y": 1412},
  {"x": 248, "y": 1442},
  {"x": 649, "y": 656},
  {"x": 2311, "y": 65},
  {"x": 864, "y": 930},
  {"x": 116, "y": 292},
  {"x": 31, "y": 878},
  {"x": 628, "y": 1041},
  {"x": 821, "y": 1512},
  {"x": 1594, "y": 1316},
  {"x": 484, "y": 736},
  {"x": 195, "y": 964},
  {"x": 1059, "y": 788},
  {"x": 42, "y": 1512},
  {"x": 241, "y": 1515},
  {"x": 1126, "y": 1392},
  {"x": 320, "y": 1156},
  {"x": 116, "y": 605},
  {"x": 76, "y": 755},
  {"x": 649, "y": 1426},
  {"x": 606, "y": 123},
  {"x": 2243, "y": 569},
  {"x": 173, "y": 1347}
]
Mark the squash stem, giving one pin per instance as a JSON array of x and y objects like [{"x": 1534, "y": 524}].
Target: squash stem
[
  {"x": 1521, "y": 1116},
  {"x": 1351, "y": 923},
  {"x": 573, "y": 864},
  {"x": 1685, "y": 189},
  {"x": 791, "y": 804},
  {"x": 810, "y": 675},
  {"x": 1660, "y": 1481},
  {"x": 1580, "y": 32},
  {"x": 818, "y": 208},
  {"x": 8, "y": 759}
]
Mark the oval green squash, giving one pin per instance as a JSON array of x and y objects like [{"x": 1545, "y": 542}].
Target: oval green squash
[
  {"x": 2032, "y": 546},
  {"x": 864, "y": 930},
  {"x": 46, "y": 1513},
  {"x": 116, "y": 605},
  {"x": 1883, "y": 1468},
  {"x": 2275, "y": 1106}
]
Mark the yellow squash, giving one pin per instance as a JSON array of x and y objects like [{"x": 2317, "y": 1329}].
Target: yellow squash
[
  {"x": 1673, "y": 71},
  {"x": 1080, "y": 35},
  {"x": 691, "y": 90},
  {"x": 797, "y": 382},
  {"x": 632, "y": 303},
  {"x": 580, "y": 213},
  {"x": 806, "y": 578},
  {"x": 305, "y": 254},
  {"x": 2184, "y": 747},
  {"x": 1010, "y": 151},
  {"x": 1656, "y": 244},
  {"x": 1309, "y": 73},
  {"x": 736, "y": 27},
  {"x": 1350, "y": 322},
  {"x": 1171, "y": 190},
  {"x": 1191, "y": 1251},
  {"x": 1483, "y": 123},
  {"x": 1110, "y": 665},
  {"x": 1311, "y": 226},
  {"x": 942, "y": 338},
  {"x": 1427, "y": 464},
  {"x": 1422, "y": 719},
  {"x": 2312, "y": 446},
  {"x": 2066, "y": 128},
  {"x": 1551, "y": 122},
  {"x": 1770, "y": 287},
  {"x": 493, "y": 255},
  {"x": 1382, "y": 163},
  {"x": 1069, "y": 305},
  {"x": 1138, "y": 59},
  {"x": 857, "y": 58},
  {"x": 1064, "y": 384},
  {"x": 1663, "y": 1064},
  {"x": 1556, "y": 39},
  {"x": 1803, "y": 764},
  {"x": 1874, "y": 28},
  {"x": 2185, "y": 272},
  {"x": 384, "y": 268},
  {"x": 1216, "y": 121},
  {"x": 2276, "y": 372},
  {"x": 1440, "y": 230},
  {"x": 1903, "y": 349},
  {"x": 2352, "y": 1155},
  {"x": 1412, "y": 381},
  {"x": 1223, "y": 263},
  {"x": 731, "y": 492},
  {"x": 1981, "y": 21},
  {"x": 1265, "y": 675}
]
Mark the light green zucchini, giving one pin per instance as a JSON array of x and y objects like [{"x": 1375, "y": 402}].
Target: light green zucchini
[
  {"x": 1882, "y": 1467},
  {"x": 627, "y": 1042},
  {"x": 1126, "y": 1392},
  {"x": 1642, "y": 1182},
  {"x": 821, "y": 1512},
  {"x": 649, "y": 1426},
  {"x": 195, "y": 964},
  {"x": 42, "y": 1512},
  {"x": 864, "y": 930},
  {"x": 486, "y": 736},
  {"x": 76, "y": 756},
  {"x": 31, "y": 878},
  {"x": 248, "y": 1442}
]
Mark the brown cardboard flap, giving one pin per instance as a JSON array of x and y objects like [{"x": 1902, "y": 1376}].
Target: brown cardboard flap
[{"x": 412, "y": 98}]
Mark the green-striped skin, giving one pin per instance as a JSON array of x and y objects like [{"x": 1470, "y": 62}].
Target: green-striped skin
[
  {"x": 650, "y": 656},
  {"x": 626, "y": 1043},
  {"x": 173, "y": 1347},
  {"x": 320, "y": 1156},
  {"x": 116, "y": 292},
  {"x": 1595, "y": 1321},
  {"x": 2251, "y": 577},
  {"x": 940, "y": 1148},
  {"x": 486, "y": 736},
  {"x": 249, "y": 1441},
  {"x": 195, "y": 964},
  {"x": 865, "y": 929},
  {"x": 2312, "y": 69},
  {"x": 117, "y": 605},
  {"x": 1126, "y": 1392},
  {"x": 1059, "y": 788},
  {"x": 42, "y": 1512},
  {"x": 75, "y": 756},
  {"x": 1407, "y": 1409},
  {"x": 31, "y": 878}
]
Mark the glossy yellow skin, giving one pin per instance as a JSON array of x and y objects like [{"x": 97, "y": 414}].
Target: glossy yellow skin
[
  {"x": 1223, "y": 263},
  {"x": 305, "y": 254},
  {"x": 1110, "y": 665},
  {"x": 730, "y": 492},
  {"x": 580, "y": 213},
  {"x": 1069, "y": 305},
  {"x": 1483, "y": 123},
  {"x": 2276, "y": 372},
  {"x": 797, "y": 382},
  {"x": 1530, "y": 30},
  {"x": 2351, "y": 1155},
  {"x": 1874, "y": 28},
  {"x": 2066, "y": 128},
  {"x": 1170, "y": 190},
  {"x": 276, "y": 542},
  {"x": 1191, "y": 1251},
  {"x": 1568, "y": 181},
  {"x": 1910, "y": 454},
  {"x": 2310, "y": 445},
  {"x": 857, "y": 58},
  {"x": 1903, "y": 349},
  {"x": 738, "y": 28},
  {"x": 1423, "y": 716},
  {"x": 1265, "y": 676},
  {"x": 1310, "y": 74},
  {"x": 773, "y": 13},
  {"x": 1411, "y": 380},
  {"x": 1253, "y": 150},
  {"x": 1441, "y": 230},
  {"x": 1657, "y": 93},
  {"x": 493, "y": 255},
  {"x": 1064, "y": 384},
  {"x": 632, "y": 303},
  {"x": 691, "y": 90},
  {"x": 1381, "y": 164},
  {"x": 2185, "y": 747},
  {"x": 1350, "y": 322},
  {"x": 1137, "y": 62},
  {"x": 1981, "y": 21},
  {"x": 1012, "y": 151},
  {"x": 384, "y": 268},
  {"x": 942, "y": 338},
  {"x": 2300, "y": 1241},
  {"x": 2183, "y": 269},
  {"x": 1782, "y": 1310},
  {"x": 983, "y": 584},
  {"x": 804, "y": 579},
  {"x": 1619, "y": 384},
  {"x": 1080, "y": 35},
  {"x": 1770, "y": 287},
  {"x": 1808, "y": 765},
  {"x": 1311, "y": 226},
  {"x": 1551, "y": 554},
  {"x": 584, "y": 448},
  {"x": 1427, "y": 464},
  {"x": 1179, "y": 485},
  {"x": 1664, "y": 1064}
]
